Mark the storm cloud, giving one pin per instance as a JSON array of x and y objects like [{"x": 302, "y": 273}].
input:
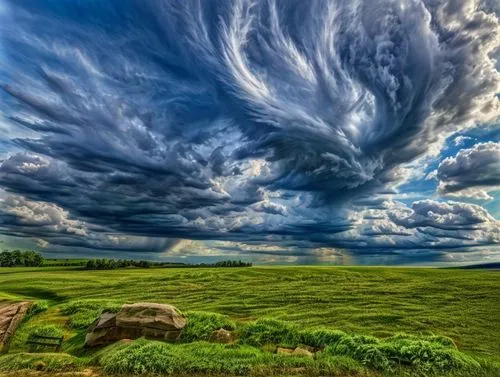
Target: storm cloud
[{"x": 243, "y": 121}]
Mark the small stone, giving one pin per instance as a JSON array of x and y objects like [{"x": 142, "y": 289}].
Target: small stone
[
  {"x": 283, "y": 350},
  {"x": 222, "y": 336},
  {"x": 299, "y": 351},
  {"x": 40, "y": 365}
]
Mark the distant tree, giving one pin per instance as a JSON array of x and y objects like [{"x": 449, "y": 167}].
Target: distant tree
[
  {"x": 17, "y": 258},
  {"x": 6, "y": 259},
  {"x": 110, "y": 264}
]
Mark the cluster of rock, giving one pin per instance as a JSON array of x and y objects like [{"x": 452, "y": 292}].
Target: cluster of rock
[{"x": 133, "y": 321}]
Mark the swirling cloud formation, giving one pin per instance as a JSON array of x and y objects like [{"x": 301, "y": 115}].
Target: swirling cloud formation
[{"x": 143, "y": 122}]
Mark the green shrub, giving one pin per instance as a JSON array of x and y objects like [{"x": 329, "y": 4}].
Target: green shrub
[
  {"x": 433, "y": 354},
  {"x": 426, "y": 355},
  {"x": 361, "y": 348},
  {"x": 200, "y": 325}
]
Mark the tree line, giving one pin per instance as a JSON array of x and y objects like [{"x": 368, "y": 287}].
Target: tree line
[
  {"x": 111, "y": 264},
  {"x": 17, "y": 258}
]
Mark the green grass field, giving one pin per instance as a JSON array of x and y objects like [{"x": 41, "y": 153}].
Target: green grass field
[{"x": 461, "y": 304}]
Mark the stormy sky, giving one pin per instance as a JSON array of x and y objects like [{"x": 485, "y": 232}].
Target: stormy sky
[{"x": 277, "y": 131}]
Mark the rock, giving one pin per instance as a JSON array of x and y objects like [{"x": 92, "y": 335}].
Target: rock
[
  {"x": 300, "y": 351},
  {"x": 285, "y": 350},
  {"x": 102, "y": 331},
  {"x": 40, "y": 365},
  {"x": 149, "y": 315},
  {"x": 155, "y": 321},
  {"x": 11, "y": 315},
  {"x": 222, "y": 336}
]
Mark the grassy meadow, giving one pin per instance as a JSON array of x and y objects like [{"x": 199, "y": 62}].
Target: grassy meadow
[{"x": 362, "y": 308}]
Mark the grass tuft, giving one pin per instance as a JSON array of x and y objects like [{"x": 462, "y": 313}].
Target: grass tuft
[
  {"x": 36, "y": 308},
  {"x": 270, "y": 331},
  {"x": 43, "y": 330},
  {"x": 46, "y": 330},
  {"x": 143, "y": 356},
  {"x": 200, "y": 325},
  {"x": 399, "y": 351},
  {"x": 49, "y": 362},
  {"x": 321, "y": 338},
  {"x": 82, "y": 313}
]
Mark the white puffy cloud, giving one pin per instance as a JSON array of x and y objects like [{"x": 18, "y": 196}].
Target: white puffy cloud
[
  {"x": 471, "y": 172},
  {"x": 445, "y": 215},
  {"x": 47, "y": 216}
]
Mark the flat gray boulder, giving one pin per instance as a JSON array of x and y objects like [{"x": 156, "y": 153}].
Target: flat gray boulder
[
  {"x": 150, "y": 320},
  {"x": 150, "y": 315}
]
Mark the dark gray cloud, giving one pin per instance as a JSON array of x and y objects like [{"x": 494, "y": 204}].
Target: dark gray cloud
[{"x": 233, "y": 120}]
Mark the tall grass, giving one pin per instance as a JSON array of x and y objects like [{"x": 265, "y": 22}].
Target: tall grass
[
  {"x": 46, "y": 330},
  {"x": 371, "y": 301},
  {"x": 366, "y": 300},
  {"x": 431, "y": 354},
  {"x": 82, "y": 313},
  {"x": 49, "y": 362},
  {"x": 144, "y": 356},
  {"x": 35, "y": 308},
  {"x": 200, "y": 325}
]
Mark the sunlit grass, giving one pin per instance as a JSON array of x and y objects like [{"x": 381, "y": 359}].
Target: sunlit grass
[{"x": 325, "y": 303}]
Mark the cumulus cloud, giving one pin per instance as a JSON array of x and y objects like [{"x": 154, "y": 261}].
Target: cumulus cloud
[
  {"x": 472, "y": 172},
  {"x": 51, "y": 225},
  {"x": 426, "y": 225},
  {"x": 44, "y": 217},
  {"x": 450, "y": 216},
  {"x": 236, "y": 120}
]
